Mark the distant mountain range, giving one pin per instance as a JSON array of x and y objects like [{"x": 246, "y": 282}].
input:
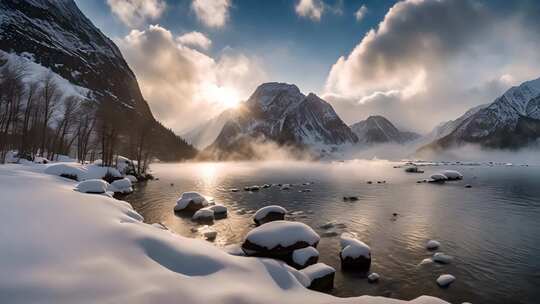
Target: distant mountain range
[
  {"x": 512, "y": 121},
  {"x": 281, "y": 114},
  {"x": 377, "y": 129}
]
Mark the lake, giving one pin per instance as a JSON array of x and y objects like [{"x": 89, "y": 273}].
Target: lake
[{"x": 492, "y": 230}]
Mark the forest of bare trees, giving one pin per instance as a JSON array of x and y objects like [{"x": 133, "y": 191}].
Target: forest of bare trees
[{"x": 37, "y": 119}]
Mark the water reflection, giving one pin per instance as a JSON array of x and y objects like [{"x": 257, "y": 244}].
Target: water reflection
[{"x": 491, "y": 229}]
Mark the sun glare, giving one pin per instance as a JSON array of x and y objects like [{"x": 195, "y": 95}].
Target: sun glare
[{"x": 226, "y": 96}]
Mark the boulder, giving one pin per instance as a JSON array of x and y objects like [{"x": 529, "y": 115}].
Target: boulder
[
  {"x": 445, "y": 280},
  {"x": 373, "y": 277},
  {"x": 220, "y": 211},
  {"x": 438, "y": 178},
  {"x": 442, "y": 258},
  {"x": 190, "y": 202},
  {"x": 452, "y": 174},
  {"x": 269, "y": 214},
  {"x": 355, "y": 255},
  {"x": 203, "y": 215},
  {"x": 279, "y": 239},
  {"x": 320, "y": 276},
  {"x": 121, "y": 186},
  {"x": 433, "y": 245},
  {"x": 304, "y": 257}
]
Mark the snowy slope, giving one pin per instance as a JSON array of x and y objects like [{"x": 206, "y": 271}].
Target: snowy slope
[
  {"x": 89, "y": 248},
  {"x": 378, "y": 129},
  {"x": 511, "y": 121},
  {"x": 280, "y": 113}
]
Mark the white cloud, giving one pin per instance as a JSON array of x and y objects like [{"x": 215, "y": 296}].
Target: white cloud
[
  {"x": 195, "y": 39},
  {"x": 361, "y": 13},
  {"x": 134, "y": 13},
  {"x": 183, "y": 86},
  {"x": 212, "y": 13},
  {"x": 430, "y": 60},
  {"x": 312, "y": 9}
]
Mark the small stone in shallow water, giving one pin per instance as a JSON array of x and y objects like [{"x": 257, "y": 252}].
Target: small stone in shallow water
[
  {"x": 350, "y": 198},
  {"x": 373, "y": 277},
  {"x": 445, "y": 280},
  {"x": 442, "y": 258},
  {"x": 433, "y": 245},
  {"x": 370, "y": 182},
  {"x": 468, "y": 186},
  {"x": 233, "y": 190}
]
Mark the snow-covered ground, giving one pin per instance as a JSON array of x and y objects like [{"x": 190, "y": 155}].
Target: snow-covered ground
[{"x": 64, "y": 246}]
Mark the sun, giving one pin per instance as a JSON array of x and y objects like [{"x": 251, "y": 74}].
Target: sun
[{"x": 225, "y": 96}]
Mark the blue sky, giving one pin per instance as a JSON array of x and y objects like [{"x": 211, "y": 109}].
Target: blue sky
[{"x": 416, "y": 62}]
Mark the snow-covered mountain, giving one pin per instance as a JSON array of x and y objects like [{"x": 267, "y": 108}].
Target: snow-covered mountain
[
  {"x": 378, "y": 129},
  {"x": 204, "y": 134},
  {"x": 56, "y": 35},
  {"x": 280, "y": 113},
  {"x": 511, "y": 121}
]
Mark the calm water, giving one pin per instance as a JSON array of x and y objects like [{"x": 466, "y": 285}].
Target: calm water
[{"x": 492, "y": 229}]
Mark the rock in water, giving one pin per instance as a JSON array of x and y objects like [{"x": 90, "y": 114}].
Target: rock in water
[
  {"x": 220, "y": 211},
  {"x": 445, "y": 280},
  {"x": 433, "y": 245},
  {"x": 203, "y": 215},
  {"x": 373, "y": 277},
  {"x": 442, "y": 258},
  {"x": 191, "y": 202},
  {"x": 355, "y": 255},
  {"x": 438, "y": 178},
  {"x": 452, "y": 174},
  {"x": 321, "y": 276},
  {"x": 94, "y": 186},
  {"x": 304, "y": 257},
  {"x": 268, "y": 214}
]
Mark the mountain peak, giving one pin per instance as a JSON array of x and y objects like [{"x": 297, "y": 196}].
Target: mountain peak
[{"x": 270, "y": 94}]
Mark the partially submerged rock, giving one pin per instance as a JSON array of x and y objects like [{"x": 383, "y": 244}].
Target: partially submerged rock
[
  {"x": 279, "y": 239},
  {"x": 438, "y": 178},
  {"x": 94, "y": 186},
  {"x": 203, "y": 215},
  {"x": 355, "y": 255},
  {"x": 350, "y": 198},
  {"x": 121, "y": 186},
  {"x": 220, "y": 211},
  {"x": 452, "y": 174},
  {"x": 433, "y": 245},
  {"x": 269, "y": 214},
  {"x": 304, "y": 257},
  {"x": 191, "y": 202},
  {"x": 321, "y": 277},
  {"x": 445, "y": 280},
  {"x": 373, "y": 277},
  {"x": 442, "y": 258}
]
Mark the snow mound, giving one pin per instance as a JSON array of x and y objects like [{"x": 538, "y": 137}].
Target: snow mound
[
  {"x": 121, "y": 186},
  {"x": 81, "y": 172},
  {"x": 269, "y": 214},
  {"x": 283, "y": 234},
  {"x": 97, "y": 186},
  {"x": 190, "y": 201}
]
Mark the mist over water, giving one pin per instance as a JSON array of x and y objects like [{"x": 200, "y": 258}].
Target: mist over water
[{"x": 491, "y": 230}]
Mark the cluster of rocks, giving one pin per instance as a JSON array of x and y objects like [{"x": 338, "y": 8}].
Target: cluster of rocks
[
  {"x": 100, "y": 186},
  {"x": 444, "y": 280},
  {"x": 203, "y": 210},
  {"x": 284, "y": 187}
]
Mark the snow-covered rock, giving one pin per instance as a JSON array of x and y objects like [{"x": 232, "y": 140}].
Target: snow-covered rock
[
  {"x": 433, "y": 245},
  {"x": 96, "y": 186},
  {"x": 452, "y": 174},
  {"x": 438, "y": 177},
  {"x": 203, "y": 215},
  {"x": 373, "y": 277},
  {"x": 81, "y": 172},
  {"x": 220, "y": 211},
  {"x": 321, "y": 276},
  {"x": 304, "y": 257},
  {"x": 121, "y": 186},
  {"x": 442, "y": 258},
  {"x": 355, "y": 255},
  {"x": 190, "y": 201},
  {"x": 445, "y": 280},
  {"x": 132, "y": 178},
  {"x": 268, "y": 214},
  {"x": 278, "y": 240},
  {"x": 118, "y": 255}
]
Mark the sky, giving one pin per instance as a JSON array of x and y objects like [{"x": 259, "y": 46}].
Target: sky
[{"x": 417, "y": 62}]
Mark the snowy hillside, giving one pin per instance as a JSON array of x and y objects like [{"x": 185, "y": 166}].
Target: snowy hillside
[
  {"x": 378, "y": 129},
  {"x": 280, "y": 113},
  {"x": 511, "y": 121}
]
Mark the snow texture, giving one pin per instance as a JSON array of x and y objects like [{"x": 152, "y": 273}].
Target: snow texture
[
  {"x": 301, "y": 256},
  {"x": 317, "y": 271},
  {"x": 273, "y": 234},
  {"x": 353, "y": 248},
  {"x": 92, "y": 186},
  {"x": 121, "y": 185}
]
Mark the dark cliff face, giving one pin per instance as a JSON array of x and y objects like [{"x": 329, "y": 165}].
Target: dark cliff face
[
  {"x": 280, "y": 113},
  {"x": 57, "y": 35}
]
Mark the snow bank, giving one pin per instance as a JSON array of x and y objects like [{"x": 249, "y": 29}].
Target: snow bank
[
  {"x": 283, "y": 234},
  {"x": 121, "y": 186},
  {"x": 98, "y": 250},
  {"x": 97, "y": 186},
  {"x": 81, "y": 172}
]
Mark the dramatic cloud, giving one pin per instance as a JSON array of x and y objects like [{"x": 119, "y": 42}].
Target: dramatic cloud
[
  {"x": 312, "y": 9},
  {"x": 361, "y": 13},
  {"x": 430, "y": 60},
  {"x": 134, "y": 13},
  {"x": 212, "y": 13},
  {"x": 195, "y": 39},
  {"x": 183, "y": 86}
]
